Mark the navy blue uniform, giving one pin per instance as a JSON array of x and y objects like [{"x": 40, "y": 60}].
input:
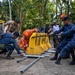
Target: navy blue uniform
[
  {"x": 66, "y": 38},
  {"x": 71, "y": 45},
  {"x": 8, "y": 39}
]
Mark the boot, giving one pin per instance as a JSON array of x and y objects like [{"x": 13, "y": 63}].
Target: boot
[
  {"x": 72, "y": 62},
  {"x": 58, "y": 61},
  {"x": 73, "y": 59},
  {"x": 8, "y": 55},
  {"x": 55, "y": 57}
]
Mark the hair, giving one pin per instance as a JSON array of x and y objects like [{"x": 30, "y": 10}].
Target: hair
[
  {"x": 16, "y": 34},
  {"x": 17, "y": 20},
  {"x": 66, "y": 18}
]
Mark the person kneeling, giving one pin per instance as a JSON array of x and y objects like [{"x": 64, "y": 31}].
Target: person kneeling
[{"x": 10, "y": 44}]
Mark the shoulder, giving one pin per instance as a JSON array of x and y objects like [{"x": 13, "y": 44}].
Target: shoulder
[
  {"x": 9, "y": 34},
  {"x": 9, "y": 22}
]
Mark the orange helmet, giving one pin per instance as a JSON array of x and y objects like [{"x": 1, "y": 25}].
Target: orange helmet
[
  {"x": 25, "y": 34},
  {"x": 62, "y": 16}
]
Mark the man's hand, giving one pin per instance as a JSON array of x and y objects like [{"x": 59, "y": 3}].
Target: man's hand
[
  {"x": 50, "y": 33},
  {"x": 50, "y": 30},
  {"x": 59, "y": 34}
]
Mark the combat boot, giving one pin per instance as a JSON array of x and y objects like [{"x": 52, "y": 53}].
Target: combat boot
[
  {"x": 73, "y": 59},
  {"x": 72, "y": 62},
  {"x": 55, "y": 57},
  {"x": 58, "y": 61}
]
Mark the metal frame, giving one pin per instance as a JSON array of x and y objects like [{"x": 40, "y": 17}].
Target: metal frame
[
  {"x": 18, "y": 61},
  {"x": 28, "y": 66},
  {"x": 33, "y": 62},
  {"x": 36, "y": 56}
]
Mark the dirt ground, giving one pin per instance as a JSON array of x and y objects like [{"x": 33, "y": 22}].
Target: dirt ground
[{"x": 43, "y": 67}]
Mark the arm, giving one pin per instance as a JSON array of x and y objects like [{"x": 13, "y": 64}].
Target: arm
[
  {"x": 69, "y": 32},
  {"x": 13, "y": 41},
  {"x": 59, "y": 31},
  {"x": 50, "y": 30}
]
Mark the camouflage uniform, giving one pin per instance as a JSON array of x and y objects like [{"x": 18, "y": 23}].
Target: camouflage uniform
[{"x": 10, "y": 27}]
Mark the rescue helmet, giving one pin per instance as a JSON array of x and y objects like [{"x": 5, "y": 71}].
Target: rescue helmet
[
  {"x": 25, "y": 34},
  {"x": 62, "y": 16}
]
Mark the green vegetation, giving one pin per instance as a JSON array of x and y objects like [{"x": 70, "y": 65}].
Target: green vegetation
[{"x": 36, "y": 13}]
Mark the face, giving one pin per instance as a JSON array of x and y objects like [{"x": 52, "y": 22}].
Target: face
[
  {"x": 66, "y": 22},
  {"x": 55, "y": 24},
  {"x": 15, "y": 37},
  {"x": 15, "y": 23}
]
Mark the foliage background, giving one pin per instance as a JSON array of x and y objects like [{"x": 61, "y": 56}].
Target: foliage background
[{"x": 37, "y": 13}]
